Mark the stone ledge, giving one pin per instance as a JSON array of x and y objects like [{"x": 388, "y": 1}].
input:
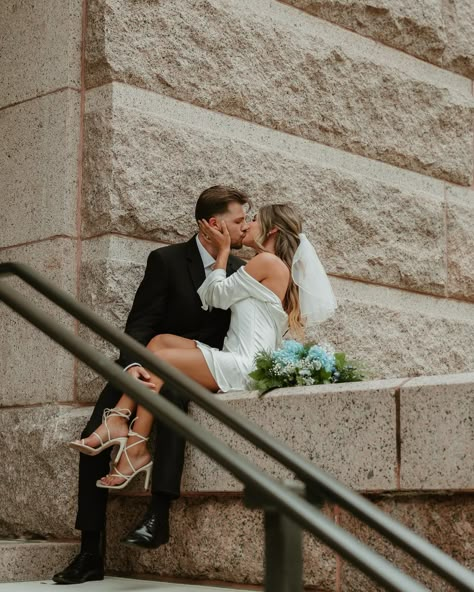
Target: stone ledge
[
  {"x": 25, "y": 560},
  {"x": 437, "y": 432},
  {"x": 347, "y": 430},
  {"x": 311, "y": 79}
]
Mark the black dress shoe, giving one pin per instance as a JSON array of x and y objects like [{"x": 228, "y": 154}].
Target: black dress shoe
[
  {"x": 85, "y": 567},
  {"x": 151, "y": 533}
]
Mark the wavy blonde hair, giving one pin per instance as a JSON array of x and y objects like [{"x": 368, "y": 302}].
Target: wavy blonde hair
[{"x": 287, "y": 221}]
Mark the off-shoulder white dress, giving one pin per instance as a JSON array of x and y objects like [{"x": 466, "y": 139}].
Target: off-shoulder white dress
[{"x": 258, "y": 322}]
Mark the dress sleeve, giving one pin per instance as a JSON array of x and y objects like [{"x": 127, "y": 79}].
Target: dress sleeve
[{"x": 219, "y": 291}]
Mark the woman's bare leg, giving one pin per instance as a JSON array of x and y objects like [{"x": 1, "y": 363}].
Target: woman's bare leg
[
  {"x": 184, "y": 356},
  {"x": 118, "y": 426}
]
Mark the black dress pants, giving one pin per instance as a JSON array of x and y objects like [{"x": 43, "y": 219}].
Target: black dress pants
[{"x": 167, "y": 463}]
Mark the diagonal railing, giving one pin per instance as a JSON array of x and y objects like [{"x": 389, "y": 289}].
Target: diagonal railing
[{"x": 275, "y": 497}]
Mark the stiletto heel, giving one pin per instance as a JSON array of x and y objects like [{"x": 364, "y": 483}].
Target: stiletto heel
[
  {"x": 123, "y": 442},
  {"x": 127, "y": 478},
  {"x": 120, "y": 441},
  {"x": 147, "y": 477}
]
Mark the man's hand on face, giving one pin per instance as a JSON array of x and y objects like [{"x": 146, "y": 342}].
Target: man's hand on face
[{"x": 143, "y": 376}]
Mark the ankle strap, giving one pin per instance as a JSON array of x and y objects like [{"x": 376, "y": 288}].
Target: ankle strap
[{"x": 125, "y": 413}]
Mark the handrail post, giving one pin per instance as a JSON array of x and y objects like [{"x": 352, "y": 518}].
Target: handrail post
[{"x": 283, "y": 544}]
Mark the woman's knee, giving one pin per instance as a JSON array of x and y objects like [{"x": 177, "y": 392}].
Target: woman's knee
[{"x": 158, "y": 342}]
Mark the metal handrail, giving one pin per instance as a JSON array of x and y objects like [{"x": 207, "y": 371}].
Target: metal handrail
[{"x": 304, "y": 514}]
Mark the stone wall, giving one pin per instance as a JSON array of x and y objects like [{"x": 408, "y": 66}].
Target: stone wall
[
  {"x": 115, "y": 114},
  {"x": 368, "y": 131}
]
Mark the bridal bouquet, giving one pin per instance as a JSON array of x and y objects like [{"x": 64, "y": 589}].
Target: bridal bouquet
[{"x": 302, "y": 364}]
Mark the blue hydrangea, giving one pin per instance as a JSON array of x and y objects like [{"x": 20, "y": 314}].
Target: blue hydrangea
[
  {"x": 293, "y": 347},
  {"x": 326, "y": 358},
  {"x": 290, "y": 352}
]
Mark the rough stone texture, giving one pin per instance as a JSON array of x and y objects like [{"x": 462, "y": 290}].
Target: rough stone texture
[
  {"x": 22, "y": 560},
  {"x": 354, "y": 215},
  {"x": 396, "y": 333},
  {"x": 433, "y": 30},
  {"x": 446, "y": 521},
  {"x": 38, "y": 168},
  {"x": 460, "y": 222},
  {"x": 281, "y": 68},
  {"x": 437, "y": 432},
  {"x": 346, "y": 430},
  {"x": 39, "y": 472},
  {"x": 34, "y": 369},
  {"x": 40, "y": 47},
  {"x": 213, "y": 538},
  {"x": 459, "y": 22},
  {"x": 111, "y": 270}
]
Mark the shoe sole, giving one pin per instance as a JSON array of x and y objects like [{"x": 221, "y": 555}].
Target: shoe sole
[
  {"x": 144, "y": 545},
  {"x": 72, "y": 582}
]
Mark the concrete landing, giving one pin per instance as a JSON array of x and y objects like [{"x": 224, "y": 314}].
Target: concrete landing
[{"x": 114, "y": 585}]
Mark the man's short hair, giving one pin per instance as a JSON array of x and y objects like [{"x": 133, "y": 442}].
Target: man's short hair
[{"x": 215, "y": 200}]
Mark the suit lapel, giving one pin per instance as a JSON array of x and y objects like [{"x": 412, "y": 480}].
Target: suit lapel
[
  {"x": 195, "y": 266},
  {"x": 231, "y": 267}
]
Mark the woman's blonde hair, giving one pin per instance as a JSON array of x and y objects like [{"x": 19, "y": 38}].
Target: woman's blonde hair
[{"x": 287, "y": 221}]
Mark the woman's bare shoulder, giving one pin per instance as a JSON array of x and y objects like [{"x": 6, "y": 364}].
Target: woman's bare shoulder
[{"x": 265, "y": 264}]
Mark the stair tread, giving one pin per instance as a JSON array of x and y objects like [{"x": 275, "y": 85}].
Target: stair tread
[{"x": 114, "y": 584}]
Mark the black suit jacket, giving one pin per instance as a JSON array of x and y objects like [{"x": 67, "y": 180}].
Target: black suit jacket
[{"x": 167, "y": 300}]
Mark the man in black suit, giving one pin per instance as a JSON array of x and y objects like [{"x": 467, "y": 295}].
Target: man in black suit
[{"x": 166, "y": 302}]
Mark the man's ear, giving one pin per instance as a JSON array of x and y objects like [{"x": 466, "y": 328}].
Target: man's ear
[{"x": 214, "y": 222}]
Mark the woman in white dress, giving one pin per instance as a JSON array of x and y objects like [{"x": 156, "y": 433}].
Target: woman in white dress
[{"x": 264, "y": 300}]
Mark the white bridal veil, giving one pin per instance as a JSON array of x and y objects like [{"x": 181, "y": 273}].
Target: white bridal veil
[{"x": 317, "y": 300}]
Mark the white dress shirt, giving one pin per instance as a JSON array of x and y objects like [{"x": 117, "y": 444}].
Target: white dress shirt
[{"x": 207, "y": 261}]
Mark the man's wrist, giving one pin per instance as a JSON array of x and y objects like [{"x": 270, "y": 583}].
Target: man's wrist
[{"x": 132, "y": 365}]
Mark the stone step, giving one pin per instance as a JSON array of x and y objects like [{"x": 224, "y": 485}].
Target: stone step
[
  {"x": 113, "y": 584},
  {"x": 215, "y": 537},
  {"x": 23, "y": 560}
]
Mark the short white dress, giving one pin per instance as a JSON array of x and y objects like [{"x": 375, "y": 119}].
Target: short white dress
[{"x": 258, "y": 322}]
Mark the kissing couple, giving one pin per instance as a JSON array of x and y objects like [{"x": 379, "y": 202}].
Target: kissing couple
[{"x": 207, "y": 313}]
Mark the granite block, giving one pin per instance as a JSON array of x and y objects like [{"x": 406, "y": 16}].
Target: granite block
[
  {"x": 437, "y": 432},
  {"x": 34, "y": 368},
  {"x": 39, "y": 168},
  {"x": 27, "y": 560},
  {"x": 40, "y": 47},
  {"x": 35, "y": 460},
  {"x": 445, "y": 521}
]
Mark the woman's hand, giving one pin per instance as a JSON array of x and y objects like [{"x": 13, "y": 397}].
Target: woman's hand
[{"x": 220, "y": 239}]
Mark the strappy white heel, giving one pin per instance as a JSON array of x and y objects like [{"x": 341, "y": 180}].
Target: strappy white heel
[
  {"x": 116, "y": 473},
  {"x": 120, "y": 441}
]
